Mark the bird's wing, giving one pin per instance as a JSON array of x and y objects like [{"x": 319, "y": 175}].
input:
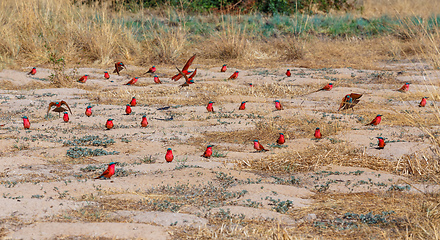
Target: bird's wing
[
  {"x": 183, "y": 74},
  {"x": 50, "y": 106},
  {"x": 116, "y": 69},
  {"x": 355, "y": 95},
  {"x": 193, "y": 74},
  {"x": 64, "y": 102},
  {"x": 188, "y": 63}
]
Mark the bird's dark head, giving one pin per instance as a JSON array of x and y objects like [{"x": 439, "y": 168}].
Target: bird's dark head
[
  {"x": 169, "y": 149},
  {"x": 210, "y": 102},
  {"x": 224, "y": 65},
  {"x": 379, "y": 138},
  {"x": 317, "y": 129},
  {"x": 144, "y": 116},
  {"x": 407, "y": 83},
  {"x": 57, "y": 103},
  {"x": 209, "y": 146},
  {"x": 86, "y": 75},
  {"x": 34, "y": 68},
  {"x": 331, "y": 84},
  {"x": 277, "y": 101},
  {"x": 425, "y": 97},
  {"x": 282, "y": 134},
  {"x": 379, "y": 115},
  {"x": 236, "y": 71},
  {"x": 113, "y": 163},
  {"x": 110, "y": 119},
  {"x": 136, "y": 77},
  {"x": 89, "y": 106},
  {"x": 155, "y": 76},
  {"x": 24, "y": 117},
  {"x": 105, "y": 72},
  {"x": 128, "y": 105},
  {"x": 154, "y": 66},
  {"x": 243, "y": 102},
  {"x": 255, "y": 140},
  {"x": 65, "y": 113},
  {"x": 133, "y": 98},
  {"x": 288, "y": 69},
  {"x": 191, "y": 81},
  {"x": 120, "y": 64}
]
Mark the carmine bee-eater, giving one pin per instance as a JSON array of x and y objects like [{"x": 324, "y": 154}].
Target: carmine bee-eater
[
  {"x": 258, "y": 146},
  {"x": 127, "y": 109},
  {"x": 89, "y": 111},
  {"x": 152, "y": 69},
  {"x": 106, "y": 75},
  {"x": 281, "y": 139},
  {"x": 169, "y": 155},
  {"x": 423, "y": 102},
  {"x": 381, "y": 143},
  {"x": 327, "y": 87},
  {"x": 234, "y": 75},
  {"x": 109, "y": 124},
  {"x": 118, "y": 67},
  {"x": 133, "y": 102},
  {"x": 33, "y": 71},
  {"x": 375, "y": 121},
  {"x": 188, "y": 80},
  {"x": 132, "y": 81},
  {"x": 26, "y": 123},
  {"x": 184, "y": 69},
  {"x": 210, "y": 108},
  {"x": 58, "y": 107},
  {"x": 349, "y": 101},
  {"x": 208, "y": 151},
  {"x": 66, "y": 117},
  {"x": 107, "y": 174},
  {"x": 318, "y": 133},
  {"x": 144, "y": 122},
  {"x": 223, "y": 69},
  {"x": 278, "y": 105},
  {"x": 404, "y": 88},
  {"x": 242, "y": 105},
  {"x": 251, "y": 85},
  {"x": 288, "y": 73},
  {"x": 157, "y": 80},
  {"x": 83, "y": 79}
]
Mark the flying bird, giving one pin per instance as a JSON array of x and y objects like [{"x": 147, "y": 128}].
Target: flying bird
[
  {"x": 83, "y": 79},
  {"x": 33, "y": 71},
  {"x": 144, "y": 122},
  {"x": 152, "y": 69},
  {"x": 258, "y": 146},
  {"x": 26, "y": 123},
  {"x": 278, "y": 105},
  {"x": 381, "y": 143},
  {"x": 188, "y": 80},
  {"x": 128, "y": 109},
  {"x": 423, "y": 102},
  {"x": 133, "y": 102},
  {"x": 89, "y": 111},
  {"x": 157, "y": 80},
  {"x": 242, "y": 105},
  {"x": 66, "y": 117},
  {"x": 109, "y": 124},
  {"x": 107, "y": 174},
  {"x": 318, "y": 133},
  {"x": 210, "y": 108},
  {"x": 281, "y": 139},
  {"x": 404, "y": 88},
  {"x": 169, "y": 155},
  {"x": 118, "y": 67},
  {"x": 106, "y": 75},
  {"x": 132, "y": 81},
  {"x": 288, "y": 73},
  {"x": 223, "y": 69},
  {"x": 375, "y": 121},
  {"x": 349, "y": 101},
  {"x": 208, "y": 151},
  {"x": 184, "y": 69},
  {"x": 58, "y": 107},
  {"x": 234, "y": 75}
]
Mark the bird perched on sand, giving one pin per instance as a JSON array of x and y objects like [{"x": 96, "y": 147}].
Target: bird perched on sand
[
  {"x": 327, "y": 87},
  {"x": 144, "y": 122},
  {"x": 281, "y": 139},
  {"x": 404, "y": 88},
  {"x": 152, "y": 69},
  {"x": 109, "y": 124},
  {"x": 423, "y": 102},
  {"x": 375, "y": 121},
  {"x": 210, "y": 108},
  {"x": 242, "y": 105},
  {"x": 26, "y": 123},
  {"x": 169, "y": 155},
  {"x": 33, "y": 71},
  {"x": 288, "y": 73},
  {"x": 107, "y": 174},
  {"x": 349, "y": 101},
  {"x": 132, "y": 81},
  {"x": 234, "y": 75},
  {"x": 381, "y": 143},
  {"x": 58, "y": 107},
  {"x": 127, "y": 109},
  {"x": 157, "y": 80},
  {"x": 83, "y": 79},
  {"x": 133, "y": 102},
  {"x": 119, "y": 66},
  {"x": 278, "y": 105},
  {"x": 106, "y": 75},
  {"x": 66, "y": 117},
  {"x": 184, "y": 69},
  {"x": 89, "y": 111},
  {"x": 318, "y": 133},
  {"x": 223, "y": 69},
  {"x": 208, "y": 151},
  {"x": 258, "y": 146}
]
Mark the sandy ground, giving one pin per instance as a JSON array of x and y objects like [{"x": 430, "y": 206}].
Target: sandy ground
[{"x": 47, "y": 194}]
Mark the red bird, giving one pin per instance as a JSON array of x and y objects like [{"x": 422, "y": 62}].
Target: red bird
[
  {"x": 242, "y": 105},
  {"x": 381, "y": 143},
  {"x": 208, "y": 151},
  {"x": 118, "y": 67},
  {"x": 281, "y": 139},
  {"x": 258, "y": 146},
  {"x": 188, "y": 80},
  {"x": 278, "y": 105},
  {"x": 66, "y": 117},
  {"x": 288, "y": 73},
  {"x": 132, "y": 81},
  {"x": 89, "y": 111},
  {"x": 83, "y": 79},
  {"x": 107, "y": 174},
  {"x": 128, "y": 109},
  {"x": 152, "y": 69},
  {"x": 423, "y": 102},
  {"x": 234, "y": 75},
  {"x": 349, "y": 101},
  {"x": 327, "y": 87},
  {"x": 33, "y": 71},
  {"x": 210, "y": 108},
  {"x": 404, "y": 88},
  {"x": 223, "y": 69},
  {"x": 157, "y": 80},
  {"x": 26, "y": 123},
  {"x": 318, "y": 133},
  {"x": 376, "y": 120},
  {"x": 109, "y": 124},
  {"x": 58, "y": 107},
  {"x": 144, "y": 122},
  {"x": 186, "y": 84},
  {"x": 106, "y": 75},
  {"x": 169, "y": 155},
  {"x": 184, "y": 69},
  {"x": 133, "y": 102}
]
